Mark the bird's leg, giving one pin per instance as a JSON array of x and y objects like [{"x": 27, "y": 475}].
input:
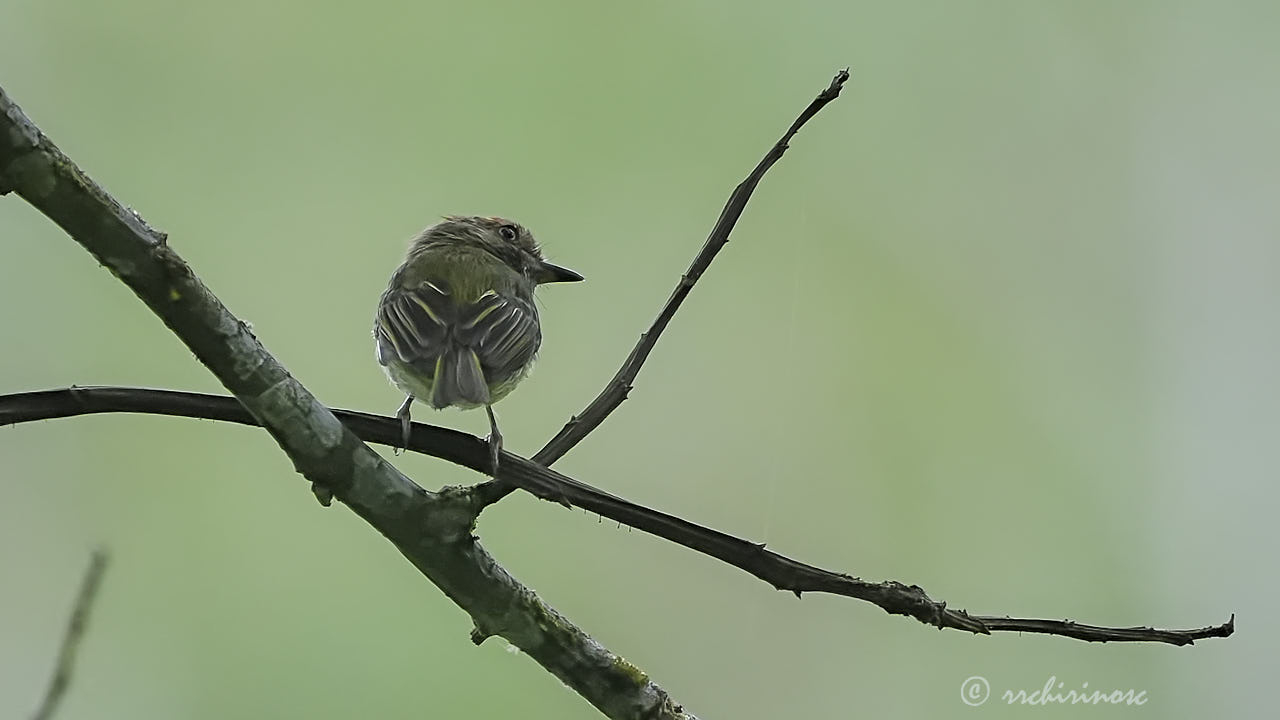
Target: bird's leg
[
  {"x": 495, "y": 440},
  {"x": 405, "y": 424}
]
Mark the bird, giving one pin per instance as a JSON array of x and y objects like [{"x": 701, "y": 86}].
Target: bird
[{"x": 457, "y": 325}]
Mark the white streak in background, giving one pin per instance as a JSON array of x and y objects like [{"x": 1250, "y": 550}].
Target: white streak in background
[{"x": 1210, "y": 193}]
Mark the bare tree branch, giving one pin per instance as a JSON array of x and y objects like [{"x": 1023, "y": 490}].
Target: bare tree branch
[
  {"x": 76, "y": 627},
  {"x": 432, "y": 530},
  {"x": 469, "y": 451},
  {"x": 581, "y": 425}
]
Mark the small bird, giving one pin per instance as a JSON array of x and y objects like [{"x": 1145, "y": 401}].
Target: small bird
[{"x": 457, "y": 325}]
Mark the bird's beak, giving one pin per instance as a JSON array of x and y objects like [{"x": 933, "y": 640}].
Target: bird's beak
[{"x": 550, "y": 273}]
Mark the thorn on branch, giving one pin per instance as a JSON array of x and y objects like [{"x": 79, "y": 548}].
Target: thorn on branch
[
  {"x": 323, "y": 494},
  {"x": 478, "y": 636}
]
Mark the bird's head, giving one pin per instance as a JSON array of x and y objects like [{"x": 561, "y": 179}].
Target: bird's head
[{"x": 506, "y": 240}]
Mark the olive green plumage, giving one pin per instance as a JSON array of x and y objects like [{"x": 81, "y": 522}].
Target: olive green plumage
[{"x": 457, "y": 325}]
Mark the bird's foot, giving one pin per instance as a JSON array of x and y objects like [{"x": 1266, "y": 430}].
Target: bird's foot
[
  {"x": 406, "y": 424},
  {"x": 495, "y": 442}
]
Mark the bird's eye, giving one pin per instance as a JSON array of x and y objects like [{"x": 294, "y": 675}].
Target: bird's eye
[{"x": 507, "y": 232}]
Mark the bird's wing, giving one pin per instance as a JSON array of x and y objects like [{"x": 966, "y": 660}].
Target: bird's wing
[
  {"x": 413, "y": 324},
  {"x": 417, "y": 325},
  {"x": 503, "y": 331}
]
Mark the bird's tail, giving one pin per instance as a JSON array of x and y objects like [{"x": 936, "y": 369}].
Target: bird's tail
[{"x": 459, "y": 380}]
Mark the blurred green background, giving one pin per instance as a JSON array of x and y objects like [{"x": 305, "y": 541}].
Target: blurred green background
[{"x": 1002, "y": 323}]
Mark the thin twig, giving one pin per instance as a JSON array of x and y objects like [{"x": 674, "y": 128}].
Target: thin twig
[
  {"x": 581, "y": 425},
  {"x": 76, "y": 627},
  {"x": 469, "y": 451}
]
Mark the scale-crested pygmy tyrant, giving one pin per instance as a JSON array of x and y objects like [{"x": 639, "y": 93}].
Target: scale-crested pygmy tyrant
[{"x": 457, "y": 325}]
